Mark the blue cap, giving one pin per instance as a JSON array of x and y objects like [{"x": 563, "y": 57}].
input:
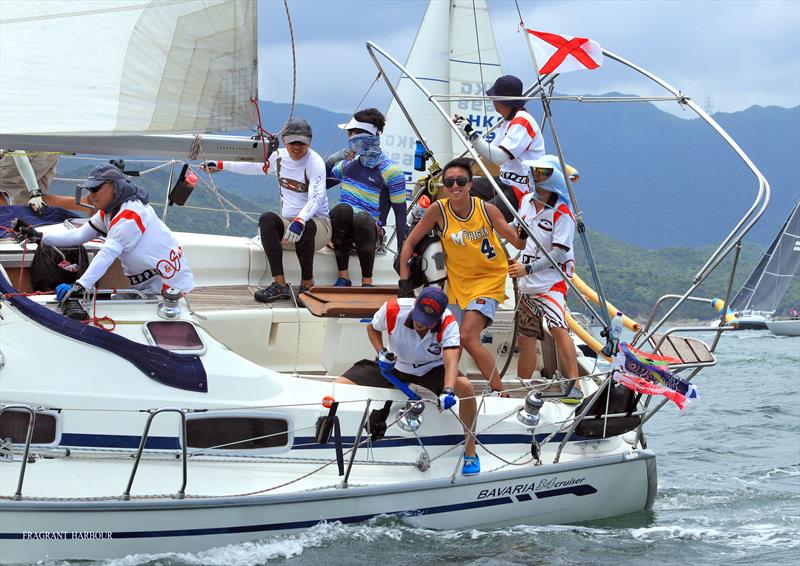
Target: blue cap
[
  {"x": 103, "y": 174},
  {"x": 507, "y": 85},
  {"x": 430, "y": 307}
]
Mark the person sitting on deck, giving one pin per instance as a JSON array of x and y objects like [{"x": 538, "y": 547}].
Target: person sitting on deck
[
  {"x": 518, "y": 139},
  {"x": 475, "y": 260},
  {"x": 544, "y": 291},
  {"x": 424, "y": 337},
  {"x": 357, "y": 219},
  {"x": 150, "y": 254},
  {"x": 303, "y": 224}
]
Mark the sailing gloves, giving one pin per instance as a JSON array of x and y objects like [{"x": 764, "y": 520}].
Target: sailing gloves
[
  {"x": 26, "y": 232},
  {"x": 37, "y": 203},
  {"x": 447, "y": 399},
  {"x": 465, "y": 127},
  {"x": 295, "y": 230},
  {"x": 405, "y": 289},
  {"x": 386, "y": 360},
  {"x": 65, "y": 291}
]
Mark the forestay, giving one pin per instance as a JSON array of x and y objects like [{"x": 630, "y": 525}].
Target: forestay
[{"x": 127, "y": 67}]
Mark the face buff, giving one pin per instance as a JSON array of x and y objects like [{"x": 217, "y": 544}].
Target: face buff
[{"x": 367, "y": 147}]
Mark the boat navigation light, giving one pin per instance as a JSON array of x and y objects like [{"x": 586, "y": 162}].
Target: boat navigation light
[
  {"x": 410, "y": 417},
  {"x": 528, "y": 415},
  {"x": 169, "y": 307}
]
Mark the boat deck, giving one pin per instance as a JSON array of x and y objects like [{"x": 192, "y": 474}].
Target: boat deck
[{"x": 233, "y": 297}]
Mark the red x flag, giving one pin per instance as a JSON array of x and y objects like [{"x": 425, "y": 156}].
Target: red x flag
[{"x": 564, "y": 53}]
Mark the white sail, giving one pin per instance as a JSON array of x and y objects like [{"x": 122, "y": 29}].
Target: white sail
[
  {"x": 445, "y": 57},
  {"x": 127, "y": 66}
]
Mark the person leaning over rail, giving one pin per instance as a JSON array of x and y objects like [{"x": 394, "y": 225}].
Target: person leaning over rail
[
  {"x": 366, "y": 180},
  {"x": 518, "y": 138},
  {"x": 151, "y": 257},
  {"x": 475, "y": 259},
  {"x": 423, "y": 335},
  {"x": 304, "y": 222},
  {"x": 547, "y": 214}
]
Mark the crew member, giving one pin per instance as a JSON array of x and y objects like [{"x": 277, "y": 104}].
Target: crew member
[
  {"x": 357, "y": 220},
  {"x": 423, "y": 335},
  {"x": 25, "y": 178},
  {"x": 546, "y": 213},
  {"x": 150, "y": 255},
  {"x": 474, "y": 257},
  {"x": 518, "y": 139},
  {"x": 304, "y": 224}
]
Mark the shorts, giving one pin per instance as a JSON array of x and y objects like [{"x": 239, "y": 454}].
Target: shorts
[
  {"x": 368, "y": 374},
  {"x": 541, "y": 307},
  {"x": 322, "y": 237},
  {"x": 484, "y": 305}
]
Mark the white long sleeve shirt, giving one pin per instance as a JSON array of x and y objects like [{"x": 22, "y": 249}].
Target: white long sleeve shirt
[
  {"x": 150, "y": 254},
  {"x": 302, "y": 182}
]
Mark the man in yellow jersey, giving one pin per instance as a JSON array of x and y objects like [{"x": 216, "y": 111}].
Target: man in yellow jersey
[{"x": 476, "y": 262}]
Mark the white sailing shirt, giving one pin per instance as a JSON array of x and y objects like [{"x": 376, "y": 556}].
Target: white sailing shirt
[
  {"x": 302, "y": 182},
  {"x": 551, "y": 225},
  {"x": 522, "y": 138},
  {"x": 415, "y": 355},
  {"x": 150, "y": 254}
]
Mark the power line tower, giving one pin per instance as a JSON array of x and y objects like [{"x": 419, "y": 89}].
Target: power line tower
[{"x": 709, "y": 105}]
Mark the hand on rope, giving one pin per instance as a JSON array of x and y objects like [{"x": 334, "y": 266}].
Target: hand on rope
[
  {"x": 295, "y": 230},
  {"x": 465, "y": 127},
  {"x": 447, "y": 399},
  {"x": 26, "y": 232}
]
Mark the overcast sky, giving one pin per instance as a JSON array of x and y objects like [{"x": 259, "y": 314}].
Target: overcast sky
[{"x": 737, "y": 52}]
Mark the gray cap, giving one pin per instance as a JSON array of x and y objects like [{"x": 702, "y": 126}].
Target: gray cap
[
  {"x": 102, "y": 174},
  {"x": 296, "y": 130}
]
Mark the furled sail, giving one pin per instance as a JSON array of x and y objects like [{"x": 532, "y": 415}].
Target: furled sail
[
  {"x": 764, "y": 289},
  {"x": 447, "y": 63},
  {"x": 127, "y": 66}
]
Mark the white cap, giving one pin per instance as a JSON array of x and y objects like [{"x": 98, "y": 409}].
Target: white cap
[{"x": 354, "y": 124}]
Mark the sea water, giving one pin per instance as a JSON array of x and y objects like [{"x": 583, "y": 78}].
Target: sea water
[{"x": 728, "y": 491}]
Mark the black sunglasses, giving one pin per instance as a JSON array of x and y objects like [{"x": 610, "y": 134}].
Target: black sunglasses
[
  {"x": 97, "y": 188},
  {"x": 450, "y": 181}
]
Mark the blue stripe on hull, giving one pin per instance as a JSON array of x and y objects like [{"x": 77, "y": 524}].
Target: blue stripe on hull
[{"x": 578, "y": 491}]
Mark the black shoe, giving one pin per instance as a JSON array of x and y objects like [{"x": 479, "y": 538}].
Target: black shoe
[{"x": 274, "y": 292}]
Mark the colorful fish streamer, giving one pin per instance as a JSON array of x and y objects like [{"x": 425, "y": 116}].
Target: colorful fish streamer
[
  {"x": 651, "y": 368},
  {"x": 647, "y": 387}
]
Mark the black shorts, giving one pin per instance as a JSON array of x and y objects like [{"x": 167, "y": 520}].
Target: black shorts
[{"x": 368, "y": 373}]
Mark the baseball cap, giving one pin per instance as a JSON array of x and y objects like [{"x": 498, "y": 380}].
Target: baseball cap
[
  {"x": 507, "y": 85},
  {"x": 102, "y": 174},
  {"x": 429, "y": 307},
  {"x": 296, "y": 130}
]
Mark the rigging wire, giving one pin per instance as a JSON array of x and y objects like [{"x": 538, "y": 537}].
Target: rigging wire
[
  {"x": 294, "y": 59},
  {"x": 480, "y": 61}
]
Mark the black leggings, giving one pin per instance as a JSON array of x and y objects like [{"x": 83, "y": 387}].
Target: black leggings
[
  {"x": 482, "y": 189},
  {"x": 271, "y": 227},
  {"x": 353, "y": 228}
]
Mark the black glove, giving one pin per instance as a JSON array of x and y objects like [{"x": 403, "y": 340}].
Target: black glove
[
  {"x": 522, "y": 234},
  {"x": 26, "y": 232},
  {"x": 405, "y": 289}
]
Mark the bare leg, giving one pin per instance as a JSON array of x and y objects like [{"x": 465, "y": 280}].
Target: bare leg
[
  {"x": 526, "y": 364},
  {"x": 467, "y": 411},
  {"x": 567, "y": 359},
  {"x": 472, "y": 324}
]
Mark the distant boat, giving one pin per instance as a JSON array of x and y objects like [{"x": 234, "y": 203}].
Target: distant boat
[
  {"x": 759, "y": 297},
  {"x": 785, "y": 326}
]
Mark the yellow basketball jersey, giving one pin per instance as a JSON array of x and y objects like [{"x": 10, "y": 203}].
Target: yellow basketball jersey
[{"x": 475, "y": 260}]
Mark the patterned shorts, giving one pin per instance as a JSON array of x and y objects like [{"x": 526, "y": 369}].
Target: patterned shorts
[{"x": 539, "y": 308}]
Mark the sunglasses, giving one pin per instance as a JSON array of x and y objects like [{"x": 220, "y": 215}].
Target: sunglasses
[
  {"x": 97, "y": 188},
  {"x": 450, "y": 181},
  {"x": 542, "y": 171}
]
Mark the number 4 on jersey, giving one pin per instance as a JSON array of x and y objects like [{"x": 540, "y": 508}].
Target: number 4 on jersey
[{"x": 487, "y": 249}]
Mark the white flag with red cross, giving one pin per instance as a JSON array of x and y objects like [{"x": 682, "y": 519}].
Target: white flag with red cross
[{"x": 564, "y": 53}]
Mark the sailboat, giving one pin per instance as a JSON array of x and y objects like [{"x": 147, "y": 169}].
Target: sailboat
[
  {"x": 762, "y": 292},
  {"x": 214, "y": 420}
]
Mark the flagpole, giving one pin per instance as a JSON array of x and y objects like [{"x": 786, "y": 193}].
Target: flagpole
[{"x": 579, "y": 225}]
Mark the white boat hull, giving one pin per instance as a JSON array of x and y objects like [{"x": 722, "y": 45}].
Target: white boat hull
[
  {"x": 551, "y": 494},
  {"x": 784, "y": 327}
]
